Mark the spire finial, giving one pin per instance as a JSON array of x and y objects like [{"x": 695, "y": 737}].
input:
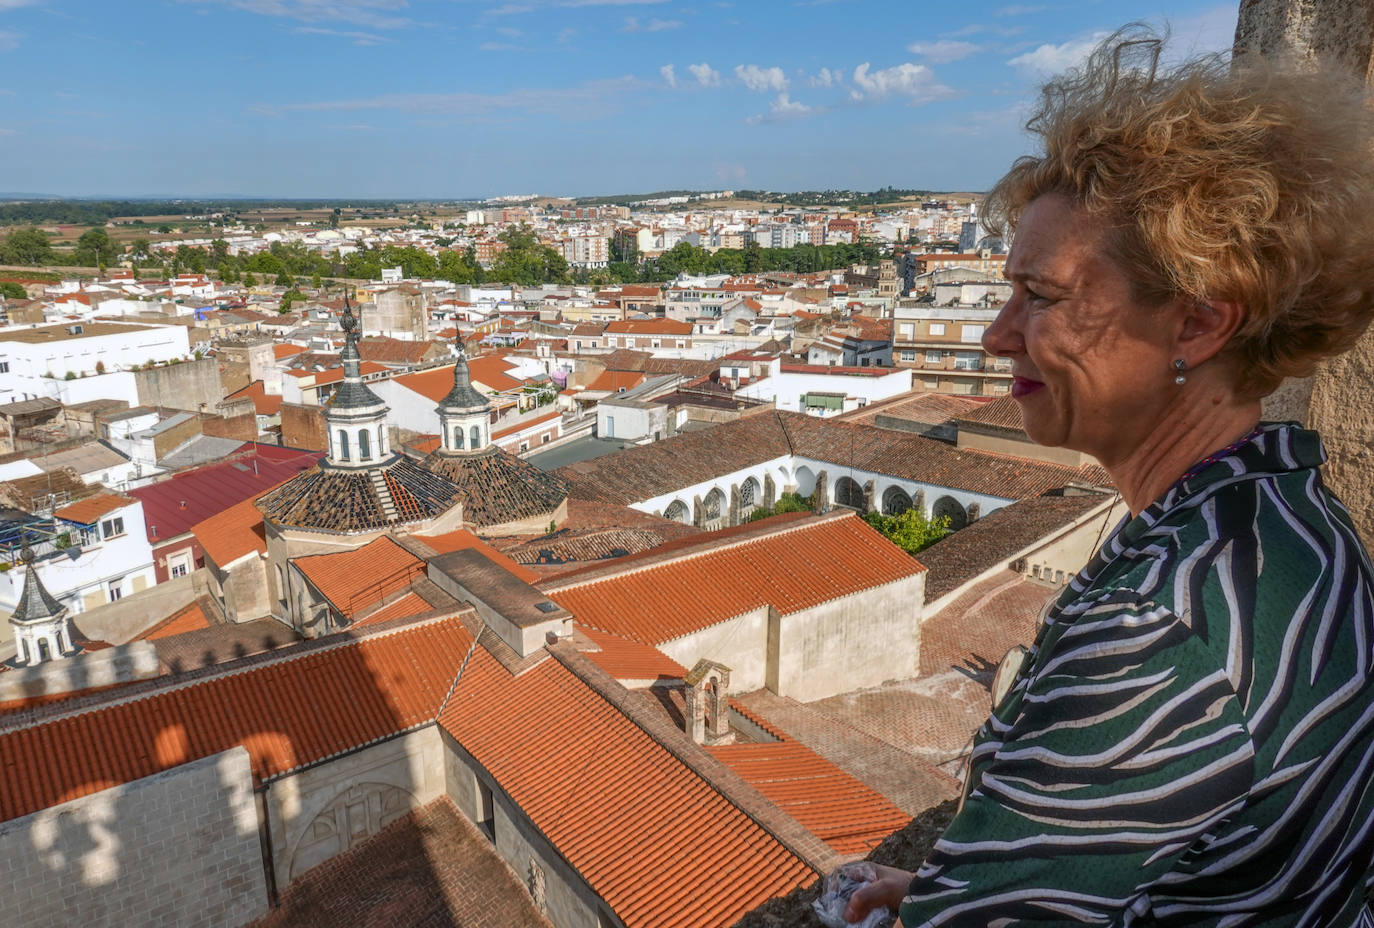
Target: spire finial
[{"x": 26, "y": 555}]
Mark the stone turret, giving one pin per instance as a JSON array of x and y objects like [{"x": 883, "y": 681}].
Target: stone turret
[
  {"x": 42, "y": 631},
  {"x": 464, "y": 414},
  {"x": 355, "y": 416}
]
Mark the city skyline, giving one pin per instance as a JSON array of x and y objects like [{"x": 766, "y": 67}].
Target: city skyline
[{"x": 457, "y": 98}]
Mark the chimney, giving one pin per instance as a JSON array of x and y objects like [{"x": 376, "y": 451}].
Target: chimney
[
  {"x": 182, "y": 505},
  {"x": 706, "y": 713}
]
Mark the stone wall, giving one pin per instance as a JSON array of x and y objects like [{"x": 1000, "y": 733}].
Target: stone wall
[
  {"x": 567, "y": 899},
  {"x": 191, "y": 385},
  {"x": 1334, "y": 400},
  {"x": 303, "y": 427},
  {"x": 179, "y": 848},
  {"x": 324, "y": 810}
]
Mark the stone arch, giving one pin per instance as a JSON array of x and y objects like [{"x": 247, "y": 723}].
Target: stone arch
[
  {"x": 848, "y": 493},
  {"x": 948, "y": 507},
  {"x": 895, "y": 501},
  {"x": 713, "y": 510},
  {"x": 750, "y": 496},
  {"x": 351, "y": 817},
  {"x": 677, "y": 511},
  {"x": 806, "y": 481}
]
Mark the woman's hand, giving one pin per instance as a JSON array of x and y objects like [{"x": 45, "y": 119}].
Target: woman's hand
[{"x": 889, "y": 890}]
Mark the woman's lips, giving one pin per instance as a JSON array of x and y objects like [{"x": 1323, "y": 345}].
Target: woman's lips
[{"x": 1024, "y": 386}]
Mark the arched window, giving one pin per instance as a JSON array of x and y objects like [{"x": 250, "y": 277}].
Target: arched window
[
  {"x": 749, "y": 494},
  {"x": 895, "y": 501},
  {"x": 44, "y": 650},
  {"x": 713, "y": 516},
  {"x": 947, "y": 507},
  {"x": 457, "y": 438},
  {"x": 677, "y": 512},
  {"x": 476, "y": 437},
  {"x": 849, "y": 493},
  {"x": 343, "y": 445},
  {"x": 364, "y": 445}
]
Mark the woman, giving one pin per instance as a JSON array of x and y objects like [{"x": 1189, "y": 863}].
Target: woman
[{"x": 1191, "y": 739}]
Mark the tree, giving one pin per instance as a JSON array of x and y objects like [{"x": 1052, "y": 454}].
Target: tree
[
  {"x": 459, "y": 267},
  {"x": 911, "y": 531},
  {"x": 12, "y": 291},
  {"x": 26, "y": 246},
  {"x": 334, "y": 218},
  {"x": 95, "y": 247},
  {"x": 228, "y": 272},
  {"x": 250, "y": 280}
]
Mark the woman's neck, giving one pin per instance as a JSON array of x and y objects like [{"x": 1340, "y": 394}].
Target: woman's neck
[{"x": 1193, "y": 429}]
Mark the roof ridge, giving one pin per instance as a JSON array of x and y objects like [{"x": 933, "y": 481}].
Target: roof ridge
[{"x": 705, "y": 547}]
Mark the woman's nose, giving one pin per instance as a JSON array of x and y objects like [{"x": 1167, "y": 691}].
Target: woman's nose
[{"x": 1004, "y": 337}]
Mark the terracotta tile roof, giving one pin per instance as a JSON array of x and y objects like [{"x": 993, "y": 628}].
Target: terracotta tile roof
[
  {"x": 613, "y": 381},
  {"x": 919, "y": 407},
  {"x": 847, "y": 815},
  {"x": 229, "y": 535},
  {"x": 789, "y": 564},
  {"x": 337, "y": 500},
  {"x": 435, "y": 383},
  {"x": 1002, "y": 413},
  {"x": 354, "y": 580},
  {"x": 285, "y": 351},
  {"x": 619, "y": 807},
  {"x": 643, "y": 472},
  {"x": 186, "y": 619},
  {"x": 286, "y": 713},
  {"x": 628, "y": 660},
  {"x": 649, "y": 327},
  {"x": 983, "y": 544},
  {"x": 463, "y": 540},
  {"x": 264, "y": 403},
  {"x": 90, "y": 510},
  {"x": 527, "y": 424},
  {"x": 392, "y": 350},
  {"x": 408, "y": 605},
  {"x": 499, "y": 486}
]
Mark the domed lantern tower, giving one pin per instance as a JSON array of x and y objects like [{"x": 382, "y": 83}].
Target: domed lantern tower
[
  {"x": 464, "y": 414},
  {"x": 42, "y": 631},
  {"x": 355, "y": 417}
]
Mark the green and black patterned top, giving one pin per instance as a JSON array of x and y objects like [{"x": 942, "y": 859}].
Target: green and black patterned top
[{"x": 1191, "y": 740}]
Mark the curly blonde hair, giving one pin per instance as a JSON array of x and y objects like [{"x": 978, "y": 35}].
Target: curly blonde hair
[{"x": 1239, "y": 180}]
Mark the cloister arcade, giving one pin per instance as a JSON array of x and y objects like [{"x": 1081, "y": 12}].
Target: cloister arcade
[{"x": 731, "y": 499}]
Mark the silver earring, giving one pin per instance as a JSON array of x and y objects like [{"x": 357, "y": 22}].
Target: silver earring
[{"x": 1180, "y": 366}]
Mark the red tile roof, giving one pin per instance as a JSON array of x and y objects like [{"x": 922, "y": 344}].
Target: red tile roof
[
  {"x": 616, "y": 380},
  {"x": 463, "y": 540},
  {"x": 229, "y": 535},
  {"x": 264, "y": 403},
  {"x": 628, "y": 660},
  {"x": 408, "y": 605},
  {"x": 287, "y": 713},
  {"x": 435, "y": 383},
  {"x": 88, "y": 511},
  {"x": 187, "y": 619},
  {"x": 791, "y": 564},
  {"x": 286, "y": 351},
  {"x": 640, "y": 827},
  {"x": 171, "y": 507},
  {"x": 844, "y": 813},
  {"x": 354, "y": 580},
  {"x": 649, "y": 327}
]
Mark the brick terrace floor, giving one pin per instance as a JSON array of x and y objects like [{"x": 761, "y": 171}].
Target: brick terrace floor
[
  {"x": 905, "y": 738},
  {"x": 432, "y": 869}
]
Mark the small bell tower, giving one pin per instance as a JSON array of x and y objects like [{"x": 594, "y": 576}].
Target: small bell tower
[
  {"x": 42, "y": 631},
  {"x": 464, "y": 414},
  {"x": 355, "y": 417}
]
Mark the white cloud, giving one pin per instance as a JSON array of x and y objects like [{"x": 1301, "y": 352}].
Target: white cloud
[
  {"x": 669, "y": 75},
  {"x": 784, "y": 107},
  {"x": 359, "y": 38},
  {"x": 15, "y": 4},
  {"x": 632, "y": 24},
  {"x": 600, "y": 95},
  {"x": 909, "y": 80},
  {"x": 706, "y": 75},
  {"x": 1018, "y": 10},
  {"x": 825, "y": 78},
  {"x": 1052, "y": 59},
  {"x": 374, "y": 14},
  {"x": 1207, "y": 31},
  {"x": 497, "y": 47},
  {"x": 943, "y": 51},
  {"x": 761, "y": 79},
  {"x": 566, "y": 34},
  {"x": 9, "y": 41}
]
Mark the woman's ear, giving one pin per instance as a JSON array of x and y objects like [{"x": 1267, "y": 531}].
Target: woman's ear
[{"x": 1208, "y": 325}]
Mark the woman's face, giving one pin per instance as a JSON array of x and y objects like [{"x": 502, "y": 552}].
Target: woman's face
[{"x": 1092, "y": 366}]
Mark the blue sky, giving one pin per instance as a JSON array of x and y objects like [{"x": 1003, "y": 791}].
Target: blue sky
[{"x": 458, "y": 98}]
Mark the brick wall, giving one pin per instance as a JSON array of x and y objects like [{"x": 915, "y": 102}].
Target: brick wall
[
  {"x": 303, "y": 427},
  {"x": 179, "y": 848}
]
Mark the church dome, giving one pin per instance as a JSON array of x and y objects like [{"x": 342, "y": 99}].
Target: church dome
[{"x": 500, "y": 487}]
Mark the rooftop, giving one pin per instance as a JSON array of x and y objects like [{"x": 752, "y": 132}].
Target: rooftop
[{"x": 500, "y": 486}]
